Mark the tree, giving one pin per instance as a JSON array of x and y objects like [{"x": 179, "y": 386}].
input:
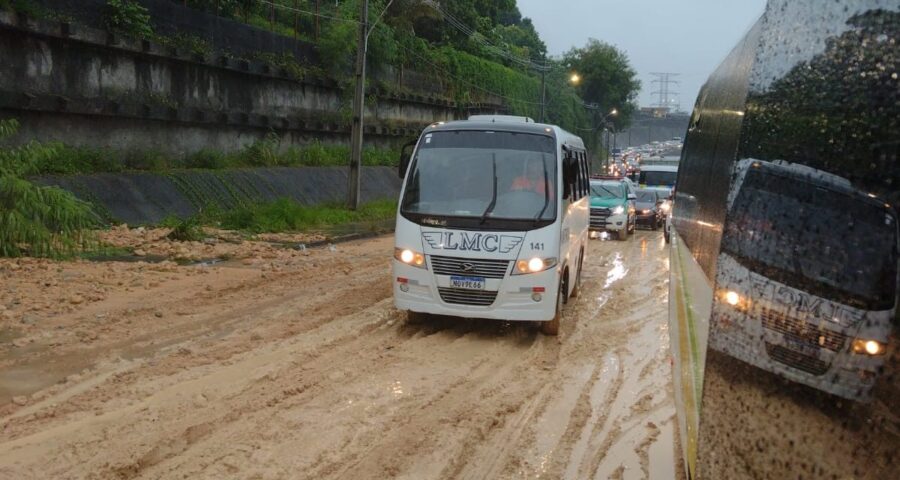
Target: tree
[
  {"x": 607, "y": 79},
  {"x": 839, "y": 111}
]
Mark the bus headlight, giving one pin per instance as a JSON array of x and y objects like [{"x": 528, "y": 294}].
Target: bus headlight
[
  {"x": 618, "y": 210},
  {"x": 410, "y": 257},
  {"x": 868, "y": 347},
  {"x": 533, "y": 265},
  {"x": 734, "y": 299}
]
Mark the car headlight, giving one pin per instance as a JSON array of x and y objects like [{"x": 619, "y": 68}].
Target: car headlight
[
  {"x": 868, "y": 347},
  {"x": 410, "y": 257},
  {"x": 534, "y": 265},
  {"x": 665, "y": 206},
  {"x": 618, "y": 210}
]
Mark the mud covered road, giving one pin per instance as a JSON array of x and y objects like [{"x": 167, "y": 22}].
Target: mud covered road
[{"x": 300, "y": 367}]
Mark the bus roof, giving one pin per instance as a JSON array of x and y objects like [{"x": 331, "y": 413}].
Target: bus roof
[
  {"x": 500, "y": 124},
  {"x": 659, "y": 168}
]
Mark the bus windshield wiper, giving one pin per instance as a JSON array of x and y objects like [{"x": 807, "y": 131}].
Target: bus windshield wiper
[
  {"x": 490, "y": 207},
  {"x": 540, "y": 214}
]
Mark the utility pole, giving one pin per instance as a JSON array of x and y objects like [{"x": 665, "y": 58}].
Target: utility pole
[
  {"x": 359, "y": 98},
  {"x": 543, "y": 88}
]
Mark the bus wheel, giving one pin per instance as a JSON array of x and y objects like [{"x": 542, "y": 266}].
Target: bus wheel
[
  {"x": 551, "y": 327},
  {"x": 576, "y": 289},
  {"x": 623, "y": 233}
]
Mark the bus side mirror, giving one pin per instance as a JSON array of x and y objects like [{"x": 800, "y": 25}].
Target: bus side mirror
[{"x": 405, "y": 157}]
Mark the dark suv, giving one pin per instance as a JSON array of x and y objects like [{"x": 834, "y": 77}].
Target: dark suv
[{"x": 648, "y": 208}]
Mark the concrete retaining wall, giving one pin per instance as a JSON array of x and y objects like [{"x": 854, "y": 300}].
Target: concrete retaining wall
[
  {"x": 84, "y": 86},
  {"x": 147, "y": 198}
]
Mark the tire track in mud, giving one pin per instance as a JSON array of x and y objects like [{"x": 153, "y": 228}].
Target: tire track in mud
[{"x": 330, "y": 382}]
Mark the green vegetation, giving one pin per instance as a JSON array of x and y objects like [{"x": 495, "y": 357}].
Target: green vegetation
[
  {"x": 184, "y": 230},
  {"x": 287, "y": 215},
  {"x": 34, "y": 220},
  {"x": 59, "y": 159},
  {"x": 127, "y": 17},
  {"x": 281, "y": 215}
]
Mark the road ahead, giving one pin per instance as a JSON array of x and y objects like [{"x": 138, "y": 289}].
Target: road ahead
[{"x": 300, "y": 367}]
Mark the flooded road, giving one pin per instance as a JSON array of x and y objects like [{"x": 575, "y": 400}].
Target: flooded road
[{"x": 305, "y": 370}]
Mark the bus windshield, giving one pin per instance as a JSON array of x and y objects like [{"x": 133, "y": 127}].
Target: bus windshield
[
  {"x": 486, "y": 175},
  {"x": 657, "y": 178},
  {"x": 814, "y": 239}
]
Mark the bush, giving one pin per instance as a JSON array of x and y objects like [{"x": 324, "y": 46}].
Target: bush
[
  {"x": 34, "y": 220},
  {"x": 261, "y": 153},
  {"x": 183, "y": 230},
  {"x": 127, "y": 17}
]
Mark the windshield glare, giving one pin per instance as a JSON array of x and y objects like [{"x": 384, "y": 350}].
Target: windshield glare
[
  {"x": 493, "y": 175},
  {"x": 607, "y": 190},
  {"x": 814, "y": 239}
]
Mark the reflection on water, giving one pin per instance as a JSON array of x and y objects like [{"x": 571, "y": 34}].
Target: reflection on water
[{"x": 618, "y": 271}]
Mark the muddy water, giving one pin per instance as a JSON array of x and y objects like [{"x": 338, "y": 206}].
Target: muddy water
[{"x": 317, "y": 376}]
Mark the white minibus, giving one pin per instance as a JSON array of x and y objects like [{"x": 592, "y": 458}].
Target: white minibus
[{"x": 492, "y": 221}]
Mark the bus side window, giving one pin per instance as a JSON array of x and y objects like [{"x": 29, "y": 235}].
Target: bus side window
[
  {"x": 585, "y": 175},
  {"x": 573, "y": 174}
]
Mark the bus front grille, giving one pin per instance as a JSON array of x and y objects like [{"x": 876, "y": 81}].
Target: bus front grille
[
  {"x": 469, "y": 266},
  {"x": 797, "y": 360},
  {"x": 462, "y": 296},
  {"x": 803, "y": 330}
]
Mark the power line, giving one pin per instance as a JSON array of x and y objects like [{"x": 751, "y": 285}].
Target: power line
[{"x": 664, "y": 79}]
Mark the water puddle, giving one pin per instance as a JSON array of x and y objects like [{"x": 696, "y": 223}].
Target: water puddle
[{"x": 617, "y": 272}]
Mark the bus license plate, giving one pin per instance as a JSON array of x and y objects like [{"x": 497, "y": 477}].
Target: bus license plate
[
  {"x": 470, "y": 283},
  {"x": 800, "y": 345}
]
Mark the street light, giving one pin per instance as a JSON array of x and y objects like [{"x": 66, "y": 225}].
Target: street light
[{"x": 575, "y": 78}]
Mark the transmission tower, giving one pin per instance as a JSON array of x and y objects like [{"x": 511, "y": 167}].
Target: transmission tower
[{"x": 668, "y": 98}]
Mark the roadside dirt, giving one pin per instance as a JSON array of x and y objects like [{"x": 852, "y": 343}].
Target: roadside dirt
[{"x": 295, "y": 364}]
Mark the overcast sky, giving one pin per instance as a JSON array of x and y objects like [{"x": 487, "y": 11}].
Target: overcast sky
[{"x": 689, "y": 37}]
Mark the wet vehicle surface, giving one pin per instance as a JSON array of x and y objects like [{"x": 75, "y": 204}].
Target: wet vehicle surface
[{"x": 783, "y": 308}]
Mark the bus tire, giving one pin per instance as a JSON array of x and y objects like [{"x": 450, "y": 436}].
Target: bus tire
[
  {"x": 576, "y": 289},
  {"x": 551, "y": 327},
  {"x": 622, "y": 234}
]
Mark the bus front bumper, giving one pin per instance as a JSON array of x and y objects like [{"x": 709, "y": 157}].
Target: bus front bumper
[
  {"x": 530, "y": 297},
  {"x": 840, "y": 373}
]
